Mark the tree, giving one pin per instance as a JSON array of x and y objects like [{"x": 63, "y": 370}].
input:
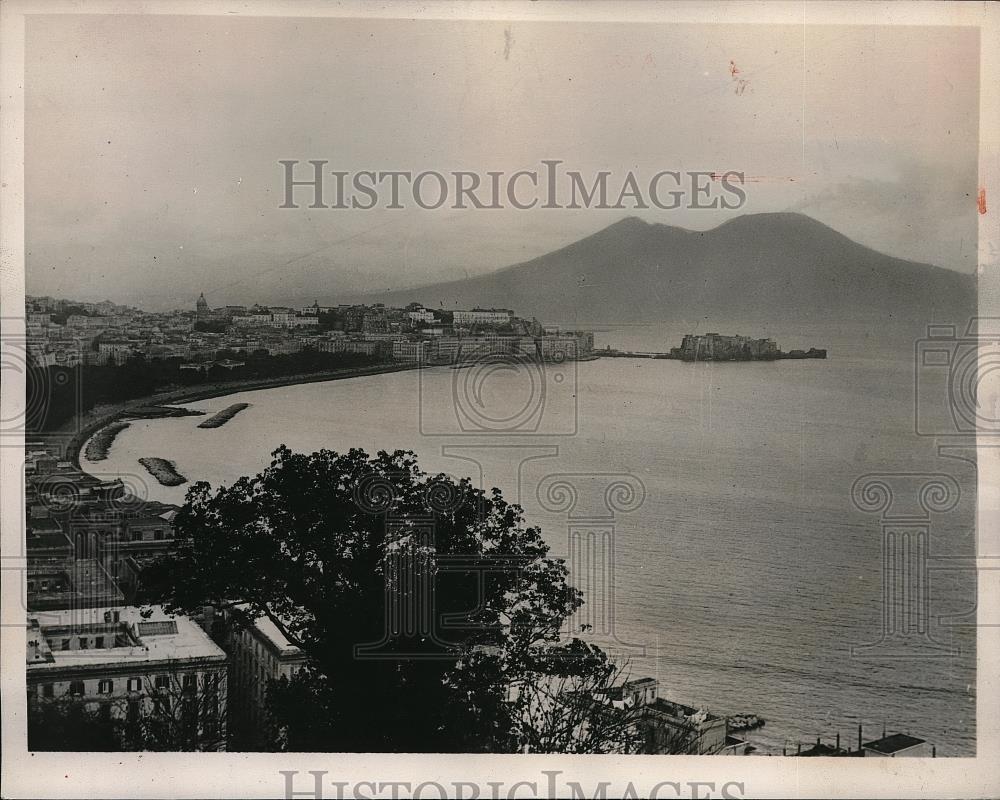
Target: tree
[
  {"x": 181, "y": 711},
  {"x": 211, "y": 325},
  {"x": 422, "y": 602},
  {"x": 66, "y": 724},
  {"x": 565, "y": 703}
]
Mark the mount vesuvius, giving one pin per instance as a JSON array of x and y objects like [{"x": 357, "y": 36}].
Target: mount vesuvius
[{"x": 767, "y": 267}]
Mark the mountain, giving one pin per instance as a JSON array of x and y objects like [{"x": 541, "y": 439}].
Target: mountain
[{"x": 763, "y": 267}]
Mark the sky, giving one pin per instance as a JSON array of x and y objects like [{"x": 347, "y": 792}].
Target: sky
[{"x": 153, "y": 142}]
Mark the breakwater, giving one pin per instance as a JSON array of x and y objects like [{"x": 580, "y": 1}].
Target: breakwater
[
  {"x": 220, "y": 419},
  {"x": 103, "y": 432},
  {"x": 160, "y": 412},
  {"x": 72, "y": 435},
  {"x": 163, "y": 470},
  {"x": 97, "y": 447}
]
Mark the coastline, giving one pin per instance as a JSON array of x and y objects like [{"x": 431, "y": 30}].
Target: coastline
[{"x": 101, "y": 417}]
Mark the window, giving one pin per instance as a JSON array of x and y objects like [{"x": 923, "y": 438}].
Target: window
[
  {"x": 189, "y": 681},
  {"x": 158, "y": 534},
  {"x": 99, "y": 642},
  {"x": 83, "y": 643},
  {"x": 134, "y": 684},
  {"x": 76, "y": 688},
  {"x": 162, "y": 681},
  {"x": 160, "y": 628},
  {"x": 45, "y": 585},
  {"x": 105, "y": 686},
  {"x": 48, "y": 690},
  {"x": 136, "y": 536},
  {"x": 65, "y": 644}
]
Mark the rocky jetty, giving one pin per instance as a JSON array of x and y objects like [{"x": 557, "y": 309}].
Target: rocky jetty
[
  {"x": 100, "y": 443},
  {"x": 156, "y": 412},
  {"x": 163, "y": 470},
  {"x": 220, "y": 419}
]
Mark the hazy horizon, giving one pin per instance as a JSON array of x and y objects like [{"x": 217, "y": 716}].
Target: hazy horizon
[{"x": 153, "y": 142}]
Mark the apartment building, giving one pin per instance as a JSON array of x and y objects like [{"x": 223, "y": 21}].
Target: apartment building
[
  {"x": 131, "y": 666},
  {"x": 258, "y": 654},
  {"x": 483, "y": 316}
]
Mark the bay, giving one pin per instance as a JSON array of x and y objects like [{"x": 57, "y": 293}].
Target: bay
[{"x": 742, "y": 571}]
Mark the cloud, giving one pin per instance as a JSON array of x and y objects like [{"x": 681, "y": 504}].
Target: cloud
[{"x": 926, "y": 212}]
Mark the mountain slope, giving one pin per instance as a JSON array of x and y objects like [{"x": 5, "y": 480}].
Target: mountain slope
[{"x": 755, "y": 267}]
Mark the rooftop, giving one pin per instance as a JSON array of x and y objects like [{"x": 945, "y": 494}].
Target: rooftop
[
  {"x": 157, "y": 637},
  {"x": 38, "y": 539},
  {"x": 266, "y": 629},
  {"x": 270, "y": 631},
  {"x": 678, "y": 710},
  {"x": 44, "y": 525}
]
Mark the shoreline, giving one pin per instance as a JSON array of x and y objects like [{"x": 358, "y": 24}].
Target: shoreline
[{"x": 104, "y": 416}]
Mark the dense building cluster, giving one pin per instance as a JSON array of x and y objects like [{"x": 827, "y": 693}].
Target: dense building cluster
[
  {"x": 97, "y": 642},
  {"x": 68, "y": 333}
]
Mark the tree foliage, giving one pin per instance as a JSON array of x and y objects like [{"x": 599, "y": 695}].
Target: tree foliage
[
  {"x": 426, "y": 606},
  {"x": 66, "y": 392},
  {"x": 67, "y": 725}
]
